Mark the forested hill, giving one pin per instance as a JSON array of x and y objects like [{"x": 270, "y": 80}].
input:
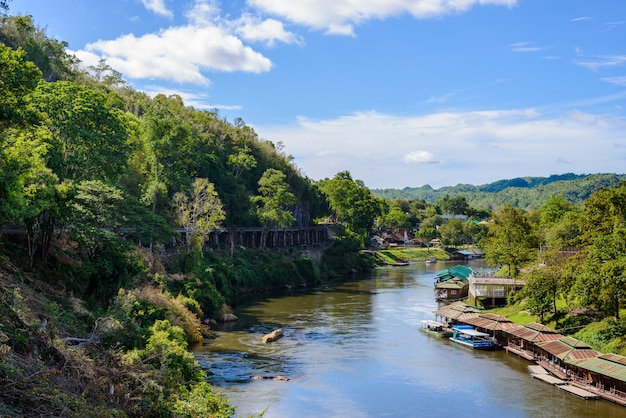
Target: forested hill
[{"x": 522, "y": 192}]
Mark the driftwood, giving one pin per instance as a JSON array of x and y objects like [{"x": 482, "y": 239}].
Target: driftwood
[
  {"x": 272, "y": 336},
  {"x": 279, "y": 377}
]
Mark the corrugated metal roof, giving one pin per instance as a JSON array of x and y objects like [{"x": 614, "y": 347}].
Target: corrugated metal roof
[
  {"x": 568, "y": 348},
  {"x": 458, "y": 311},
  {"x": 615, "y": 358},
  {"x": 601, "y": 365},
  {"x": 492, "y": 322},
  {"x": 458, "y": 271},
  {"x": 454, "y": 283},
  {"x": 538, "y": 327}
]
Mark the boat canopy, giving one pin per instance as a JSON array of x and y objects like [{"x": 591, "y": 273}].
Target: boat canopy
[{"x": 468, "y": 330}]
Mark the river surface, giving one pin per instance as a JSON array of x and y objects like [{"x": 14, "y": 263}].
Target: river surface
[{"x": 354, "y": 350}]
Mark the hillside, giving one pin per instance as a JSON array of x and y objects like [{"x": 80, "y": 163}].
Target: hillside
[{"x": 523, "y": 192}]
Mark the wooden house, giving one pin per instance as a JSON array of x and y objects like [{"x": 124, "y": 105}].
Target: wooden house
[{"x": 491, "y": 291}]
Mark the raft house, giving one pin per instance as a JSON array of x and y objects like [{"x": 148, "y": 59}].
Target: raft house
[{"x": 563, "y": 361}]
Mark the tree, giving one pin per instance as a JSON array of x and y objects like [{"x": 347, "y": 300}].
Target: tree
[
  {"x": 29, "y": 187},
  {"x": 88, "y": 138},
  {"x": 602, "y": 277},
  {"x": 274, "y": 200},
  {"x": 456, "y": 205},
  {"x": 396, "y": 219},
  {"x": 352, "y": 203},
  {"x": 198, "y": 212},
  {"x": 452, "y": 232},
  {"x": 543, "y": 285},
  {"x": 4, "y": 5},
  {"x": 18, "y": 77},
  {"x": 510, "y": 241},
  {"x": 428, "y": 233},
  {"x": 241, "y": 161},
  {"x": 49, "y": 55},
  {"x": 539, "y": 298}
]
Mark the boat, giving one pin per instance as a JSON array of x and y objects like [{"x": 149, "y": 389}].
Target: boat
[
  {"x": 466, "y": 335},
  {"x": 434, "y": 328}
]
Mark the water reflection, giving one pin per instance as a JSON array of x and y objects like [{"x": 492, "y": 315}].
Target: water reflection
[{"x": 354, "y": 350}]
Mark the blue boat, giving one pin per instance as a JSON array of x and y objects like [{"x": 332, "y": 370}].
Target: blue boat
[{"x": 466, "y": 335}]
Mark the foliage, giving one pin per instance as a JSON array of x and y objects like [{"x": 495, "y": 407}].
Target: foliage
[
  {"x": 18, "y": 77},
  {"x": 198, "y": 212},
  {"x": 510, "y": 241},
  {"x": 352, "y": 203},
  {"x": 274, "y": 200}
]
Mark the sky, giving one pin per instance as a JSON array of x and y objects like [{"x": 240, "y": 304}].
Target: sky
[{"x": 400, "y": 93}]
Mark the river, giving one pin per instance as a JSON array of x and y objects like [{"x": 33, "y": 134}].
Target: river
[{"x": 354, "y": 350}]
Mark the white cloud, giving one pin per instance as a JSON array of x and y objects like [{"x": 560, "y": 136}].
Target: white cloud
[
  {"x": 620, "y": 81},
  {"x": 420, "y": 157},
  {"x": 446, "y": 148},
  {"x": 601, "y": 62},
  {"x": 179, "y": 54},
  {"x": 270, "y": 31},
  {"x": 203, "y": 12},
  {"x": 525, "y": 47},
  {"x": 158, "y": 7},
  {"x": 340, "y": 16}
]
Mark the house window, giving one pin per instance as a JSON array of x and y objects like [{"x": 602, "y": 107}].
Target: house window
[{"x": 453, "y": 292}]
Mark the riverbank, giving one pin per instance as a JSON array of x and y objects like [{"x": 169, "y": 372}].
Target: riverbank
[{"x": 392, "y": 256}]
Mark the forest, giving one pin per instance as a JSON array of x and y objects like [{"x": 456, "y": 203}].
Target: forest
[{"x": 101, "y": 294}]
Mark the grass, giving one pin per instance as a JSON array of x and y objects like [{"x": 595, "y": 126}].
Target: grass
[{"x": 393, "y": 255}]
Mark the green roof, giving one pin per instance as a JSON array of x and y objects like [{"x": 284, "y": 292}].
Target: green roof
[
  {"x": 458, "y": 271},
  {"x": 604, "y": 366}
]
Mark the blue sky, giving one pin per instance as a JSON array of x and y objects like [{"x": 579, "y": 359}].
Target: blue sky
[{"x": 401, "y": 93}]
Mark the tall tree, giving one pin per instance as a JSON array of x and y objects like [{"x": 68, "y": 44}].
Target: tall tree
[
  {"x": 18, "y": 77},
  {"x": 274, "y": 200},
  {"x": 352, "y": 203},
  {"x": 199, "y": 212},
  {"x": 88, "y": 138},
  {"x": 509, "y": 242}
]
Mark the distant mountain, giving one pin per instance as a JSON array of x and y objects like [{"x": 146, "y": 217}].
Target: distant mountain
[{"x": 522, "y": 192}]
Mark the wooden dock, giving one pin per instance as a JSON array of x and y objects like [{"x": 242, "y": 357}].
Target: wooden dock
[
  {"x": 548, "y": 378},
  {"x": 582, "y": 393},
  {"x": 542, "y": 374}
]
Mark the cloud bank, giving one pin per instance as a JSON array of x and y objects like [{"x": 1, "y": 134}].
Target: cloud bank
[{"x": 466, "y": 147}]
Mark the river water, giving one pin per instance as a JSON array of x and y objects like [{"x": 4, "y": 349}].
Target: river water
[{"x": 354, "y": 350}]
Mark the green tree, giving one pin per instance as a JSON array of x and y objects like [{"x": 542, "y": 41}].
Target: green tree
[
  {"x": 29, "y": 186},
  {"x": 509, "y": 242},
  {"x": 539, "y": 298},
  {"x": 18, "y": 77},
  {"x": 49, "y": 55},
  {"x": 198, "y": 212},
  {"x": 429, "y": 234},
  {"x": 241, "y": 161},
  {"x": 88, "y": 139},
  {"x": 352, "y": 203},
  {"x": 396, "y": 219},
  {"x": 274, "y": 200},
  {"x": 456, "y": 205}
]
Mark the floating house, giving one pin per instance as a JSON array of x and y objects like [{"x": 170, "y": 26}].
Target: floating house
[
  {"x": 523, "y": 340},
  {"x": 452, "y": 284},
  {"x": 569, "y": 363}
]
